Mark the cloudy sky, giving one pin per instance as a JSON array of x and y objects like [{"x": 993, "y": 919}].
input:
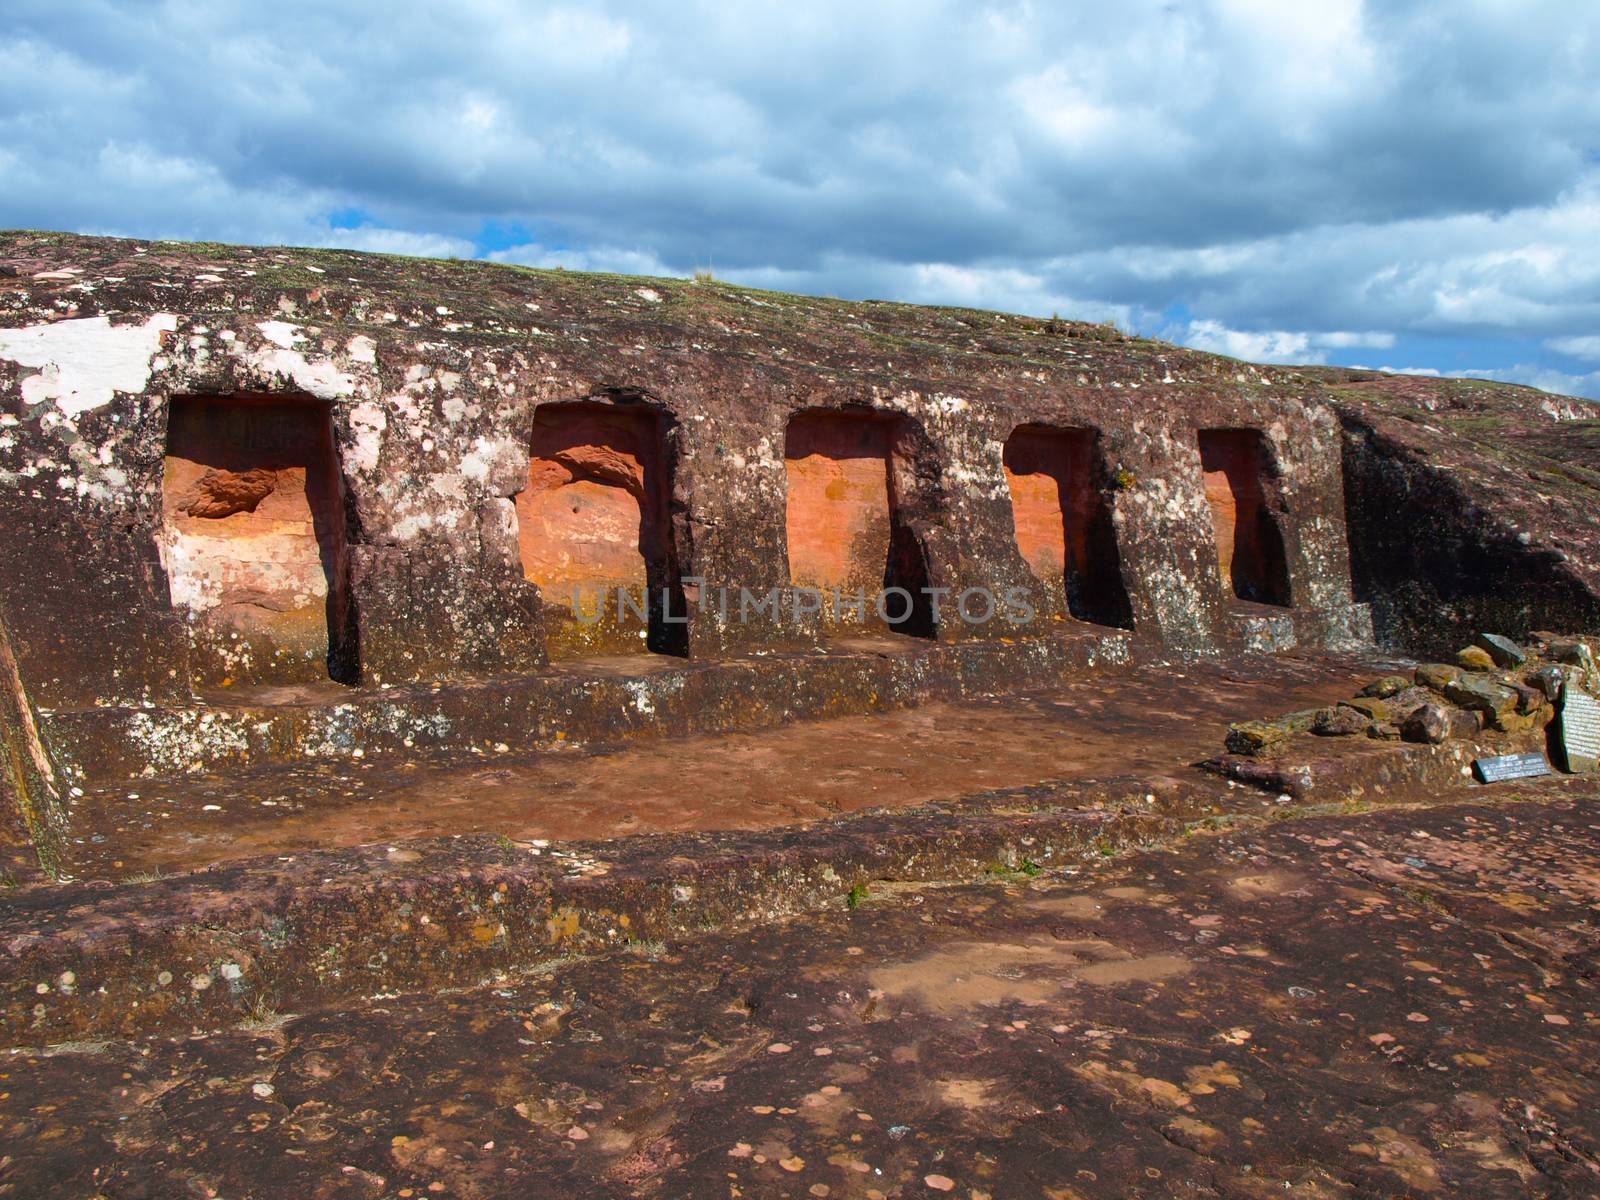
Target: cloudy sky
[{"x": 1405, "y": 184}]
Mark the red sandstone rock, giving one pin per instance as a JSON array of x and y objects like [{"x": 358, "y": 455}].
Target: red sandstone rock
[
  {"x": 1429, "y": 724},
  {"x": 221, "y": 493}
]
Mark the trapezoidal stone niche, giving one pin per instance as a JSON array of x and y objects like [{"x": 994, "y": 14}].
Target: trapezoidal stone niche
[
  {"x": 595, "y": 533},
  {"x": 843, "y": 526},
  {"x": 254, "y": 539},
  {"x": 1058, "y": 481},
  {"x": 1250, "y": 549}
]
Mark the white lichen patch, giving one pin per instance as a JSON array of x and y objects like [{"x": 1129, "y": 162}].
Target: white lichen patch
[
  {"x": 367, "y": 422},
  {"x": 281, "y": 333},
  {"x": 82, "y": 364},
  {"x": 321, "y": 378},
  {"x": 494, "y": 458}
]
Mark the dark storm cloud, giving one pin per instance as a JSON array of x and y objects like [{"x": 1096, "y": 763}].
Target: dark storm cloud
[{"x": 1290, "y": 179}]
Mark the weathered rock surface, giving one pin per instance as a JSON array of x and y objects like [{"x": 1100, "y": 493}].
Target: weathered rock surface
[
  {"x": 452, "y": 446},
  {"x": 1507, "y": 479},
  {"x": 244, "y": 470},
  {"x": 1361, "y": 1005},
  {"x": 293, "y": 537}
]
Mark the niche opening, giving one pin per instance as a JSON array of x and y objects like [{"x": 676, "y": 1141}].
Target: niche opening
[
  {"x": 254, "y": 539},
  {"x": 1250, "y": 549},
  {"x": 1058, "y": 482},
  {"x": 844, "y": 524},
  {"x": 594, "y": 530}
]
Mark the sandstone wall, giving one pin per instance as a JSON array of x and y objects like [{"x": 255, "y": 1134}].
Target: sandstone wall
[{"x": 415, "y": 547}]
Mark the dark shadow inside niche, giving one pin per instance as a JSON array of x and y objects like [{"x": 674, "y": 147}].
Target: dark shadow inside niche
[
  {"x": 594, "y": 530},
  {"x": 844, "y": 520},
  {"x": 1250, "y": 548},
  {"x": 1059, "y": 481},
  {"x": 255, "y": 540}
]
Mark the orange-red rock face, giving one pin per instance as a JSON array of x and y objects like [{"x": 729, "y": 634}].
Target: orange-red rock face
[
  {"x": 1062, "y": 525},
  {"x": 254, "y": 534},
  {"x": 1049, "y": 474},
  {"x": 1249, "y": 546},
  {"x": 838, "y": 516},
  {"x": 592, "y": 520}
]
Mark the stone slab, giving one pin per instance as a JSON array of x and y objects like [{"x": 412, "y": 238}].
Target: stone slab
[{"x": 1580, "y": 732}]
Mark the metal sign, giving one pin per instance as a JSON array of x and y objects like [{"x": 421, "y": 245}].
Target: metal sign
[{"x": 1510, "y": 766}]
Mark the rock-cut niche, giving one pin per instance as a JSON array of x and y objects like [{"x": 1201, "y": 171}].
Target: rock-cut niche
[
  {"x": 254, "y": 539},
  {"x": 845, "y": 522},
  {"x": 595, "y": 532},
  {"x": 1238, "y": 475},
  {"x": 1059, "y": 482}
]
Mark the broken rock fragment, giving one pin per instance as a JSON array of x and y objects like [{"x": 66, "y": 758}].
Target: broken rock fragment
[
  {"x": 1255, "y": 738},
  {"x": 1496, "y": 701},
  {"x": 1502, "y": 650},
  {"x": 1403, "y": 703},
  {"x": 1372, "y": 709},
  {"x": 1464, "y": 725},
  {"x": 1436, "y": 676},
  {"x": 1548, "y": 681},
  {"x": 1297, "y": 722},
  {"x": 1572, "y": 650},
  {"x": 1340, "y": 720},
  {"x": 1389, "y": 685},
  {"x": 1429, "y": 725}
]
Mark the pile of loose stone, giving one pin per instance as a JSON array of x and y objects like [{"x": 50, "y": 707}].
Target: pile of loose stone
[{"x": 1495, "y": 684}]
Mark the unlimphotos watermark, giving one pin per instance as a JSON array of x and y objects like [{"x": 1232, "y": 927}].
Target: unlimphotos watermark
[{"x": 891, "y": 605}]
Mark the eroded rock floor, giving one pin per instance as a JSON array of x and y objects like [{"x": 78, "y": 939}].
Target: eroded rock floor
[
  {"x": 1384, "y": 1004},
  {"x": 1157, "y": 720}
]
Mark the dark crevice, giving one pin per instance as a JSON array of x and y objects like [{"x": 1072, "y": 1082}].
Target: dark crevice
[{"x": 1434, "y": 565}]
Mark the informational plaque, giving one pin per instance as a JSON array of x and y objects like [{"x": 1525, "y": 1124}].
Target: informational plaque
[
  {"x": 1510, "y": 766},
  {"x": 1580, "y": 730}
]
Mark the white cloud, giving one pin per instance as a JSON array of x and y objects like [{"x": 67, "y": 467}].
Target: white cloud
[
  {"x": 1431, "y": 372},
  {"x": 1276, "y": 345},
  {"x": 1577, "y": 347},
  {"x": 1271, "y": 346},
  {"x": 1299, "y": 181},
  {"x": 399, "y": 241},
  {"x": 597, "y": 258},
  {"x": 1345, "y": 340},
  {"x": 1008, "y": 289},
  {"x": 1547, "y": 379}
]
